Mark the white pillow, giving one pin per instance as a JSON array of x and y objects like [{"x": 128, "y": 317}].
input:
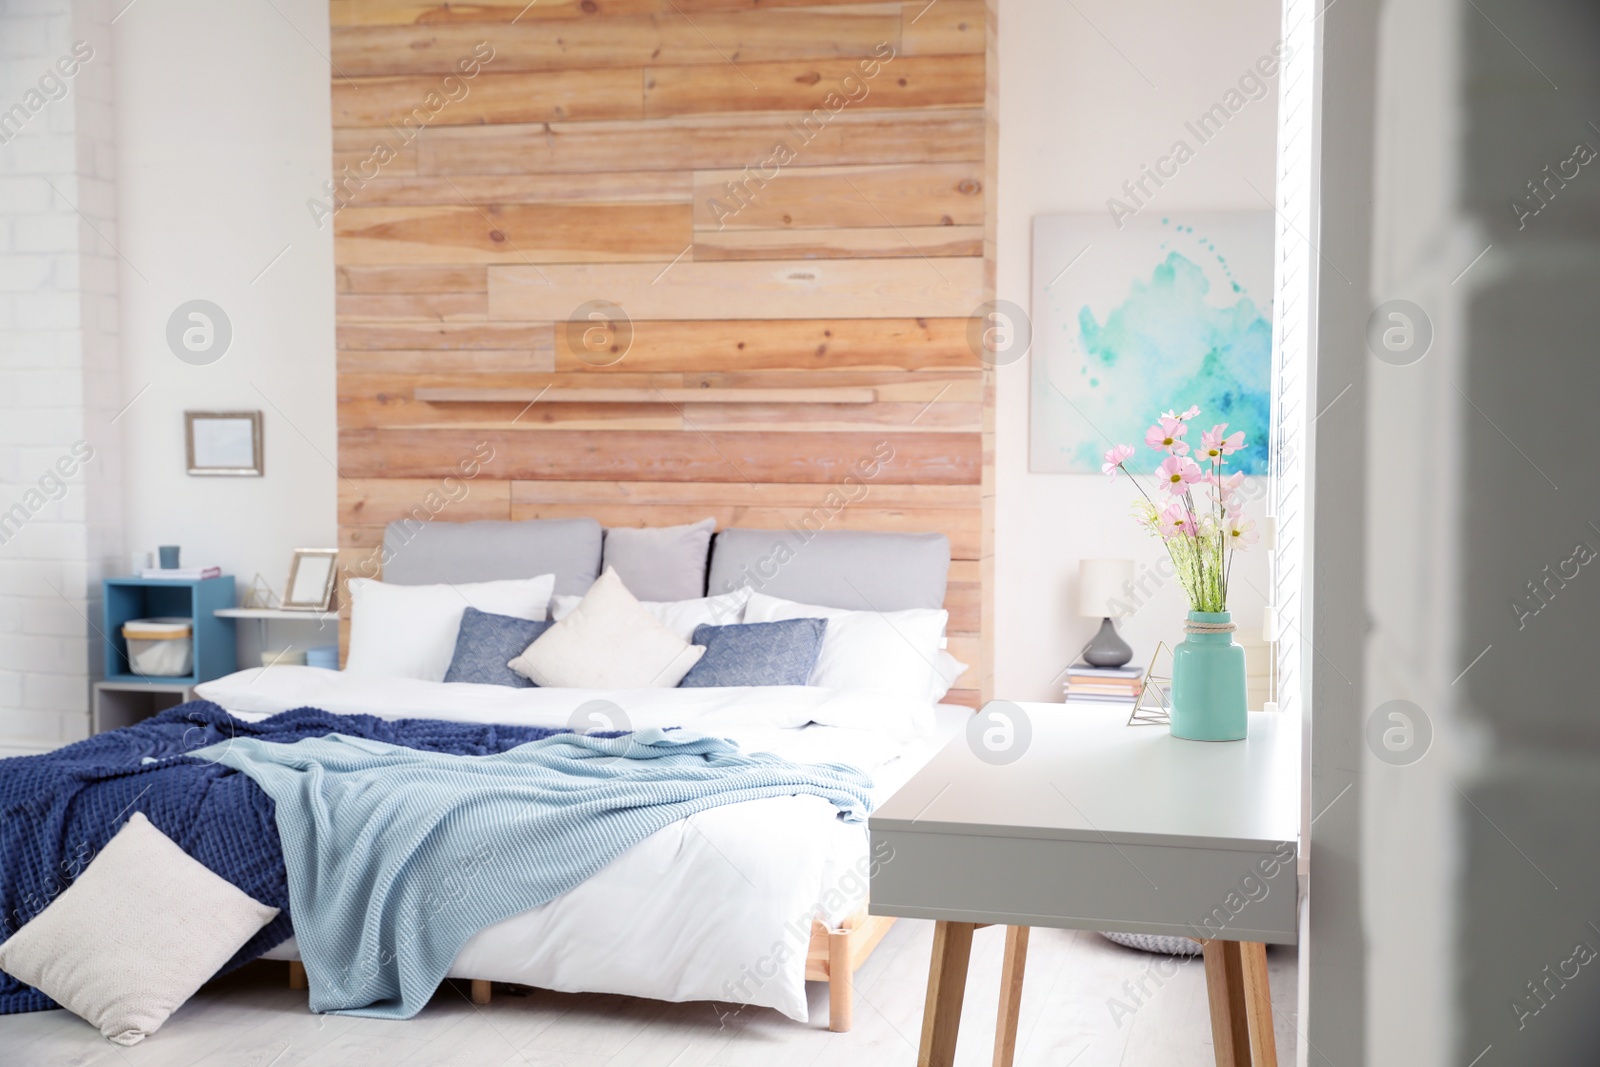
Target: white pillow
[
  {"x": 135, "y": 935},
  {"x": 946, "y": 669},
  {"x": 409, "y": 631},
  {"x": 893, "y": 651},
  {"x": 679, "y": 616},
  {"x": 608, "y": 641}
]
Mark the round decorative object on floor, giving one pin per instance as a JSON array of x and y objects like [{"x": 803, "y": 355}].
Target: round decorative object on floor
[{"x": 1161, "y": 944}]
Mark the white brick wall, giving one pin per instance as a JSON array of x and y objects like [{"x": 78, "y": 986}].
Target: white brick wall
[{"x": 59, "y": 367}]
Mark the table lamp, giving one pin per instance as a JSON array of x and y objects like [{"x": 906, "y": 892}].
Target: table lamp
[{"x": 1100, "y": 581}]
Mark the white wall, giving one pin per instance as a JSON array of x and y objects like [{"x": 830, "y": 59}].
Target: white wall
[
  {"x": 223, "y": 124},
  {"x": 1078, "y": 117},
  {"x": 59, "y": 496}
]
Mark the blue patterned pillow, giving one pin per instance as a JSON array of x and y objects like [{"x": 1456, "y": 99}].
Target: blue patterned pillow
[
  {"x": 487, "y": 643},
  {"x": 756, "y": 653}
]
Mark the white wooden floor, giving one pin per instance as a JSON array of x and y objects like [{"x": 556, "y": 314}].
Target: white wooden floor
[{"x": 252, "y": 1020}]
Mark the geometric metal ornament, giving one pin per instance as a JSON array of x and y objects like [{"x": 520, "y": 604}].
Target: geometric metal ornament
[{"x": 1154, "y": 706}]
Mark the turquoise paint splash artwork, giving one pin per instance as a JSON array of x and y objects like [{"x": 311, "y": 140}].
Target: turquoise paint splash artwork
[{"x": 1175, "y": 313}]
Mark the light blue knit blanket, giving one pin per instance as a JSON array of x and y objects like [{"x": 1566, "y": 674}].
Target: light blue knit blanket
[{"x": 396, "y": 856}]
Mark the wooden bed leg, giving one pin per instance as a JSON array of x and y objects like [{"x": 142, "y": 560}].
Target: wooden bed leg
[
  {"x": 1258, "y": 1004},
  {"x": 297, "y": 975},
  {"x": 481, "y": 991},
  {"x": 1015, "y": 962},
  {"x": 841, "y": 983}
]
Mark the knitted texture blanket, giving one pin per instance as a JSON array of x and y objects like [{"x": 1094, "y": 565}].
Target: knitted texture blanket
[
  {"x": 396, "y": 856},
  {"x": 58, "y": 809}
]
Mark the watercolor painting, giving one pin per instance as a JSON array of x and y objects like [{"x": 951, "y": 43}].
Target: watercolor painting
[{"x": 1168, "y": 310}]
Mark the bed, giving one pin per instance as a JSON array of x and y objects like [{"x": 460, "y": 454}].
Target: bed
[
  {"x": 742, "y": 901},
  {"x": 718, "y": 907}
]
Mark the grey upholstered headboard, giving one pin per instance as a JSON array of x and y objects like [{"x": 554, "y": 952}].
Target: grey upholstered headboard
[
  {"x": 857, "y": 570},
  {"x": 489, "y": 551}
]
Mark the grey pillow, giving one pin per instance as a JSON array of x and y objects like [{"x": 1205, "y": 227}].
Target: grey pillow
[
  {"x": 858, "y": 570},
  {"x": 660, "y": 563},
  {"x": 432, "y": 553},
  {"x": 486, "y": 643},
  {"x": 756, "y": 653}
]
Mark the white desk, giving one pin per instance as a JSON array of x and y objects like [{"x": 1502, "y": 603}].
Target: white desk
[{"x": 1101, "y": 826}]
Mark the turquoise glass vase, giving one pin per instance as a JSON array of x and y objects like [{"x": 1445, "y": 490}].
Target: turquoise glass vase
[{"x": 1208, "y": 681}]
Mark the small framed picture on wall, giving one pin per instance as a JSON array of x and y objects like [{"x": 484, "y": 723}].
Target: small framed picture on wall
[{"x": 223, "y": 442}]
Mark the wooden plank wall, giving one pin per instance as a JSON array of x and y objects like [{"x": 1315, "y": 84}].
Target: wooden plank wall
[{"x": 776, "y": 194}]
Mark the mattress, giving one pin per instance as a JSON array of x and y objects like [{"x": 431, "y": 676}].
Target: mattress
[{"x": 715, "y": 907}]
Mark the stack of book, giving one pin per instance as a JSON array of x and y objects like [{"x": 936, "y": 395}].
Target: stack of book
[{"x": 1103, "y": 685}]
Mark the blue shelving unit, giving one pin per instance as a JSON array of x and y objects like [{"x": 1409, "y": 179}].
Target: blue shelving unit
[{"x": 215, "y": 651}]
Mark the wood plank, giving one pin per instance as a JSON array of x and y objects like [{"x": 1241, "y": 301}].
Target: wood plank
[
  {"x": 454, "y": 279},
  {"x": 612, "y": 187},
  {"x": 376, "y": 501},
  {"x": 929, "y": 386},
  {"x": 948, "y": 27},
  {"x": 703, "y": 142},
  {"x": 397, "y": 307},
  {"x": 828, "y": 418},
  {"x": 935, "y": 459},
  {"x": 512, "y": 233},
  {"x": 422, "y": 13},
  {"x": 533, "y": 337},
  {"x": 694, "y": 6},
  {"x": 864, "y": 243},
  {"x": 960, "y": 526},
  {"x": 647, "y": 395},
  {"x": 821, "y": 87},
  {"x": 393, "y": 361},
  {"x": 800, "y": 289},
  {"x": 419, "y": 102},
  {"x": 631, "y": 41},
  {"x": 360, "y": 155},
  {"x": 399, "y": 411},
  {"x": 886, "y": 195},
  {"x": 788, "y": 344},
  {"x": 745, "y": 494}
]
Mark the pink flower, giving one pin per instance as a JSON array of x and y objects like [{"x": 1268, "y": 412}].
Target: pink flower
[
  {"x": 1216, "y": 442},
  {"x": 1168, "y": 435},
  {"x": 1176, "y": 520},
  {"x": 1114, "y": 460},
  {"x": 1177, "y": 473},
  {"x": 1194, "y": 409},
  {"x": 1240, "y": 532},
  {"x": 1226, "y": 486}
]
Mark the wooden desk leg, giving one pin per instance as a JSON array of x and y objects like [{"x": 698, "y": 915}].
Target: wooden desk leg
[
  {"x": 1225, "y": 989},
  {"x": 947, "y": 983},
  {"x": 1005, "y": 1029},
  {"x": 1258, "y": 1004}
]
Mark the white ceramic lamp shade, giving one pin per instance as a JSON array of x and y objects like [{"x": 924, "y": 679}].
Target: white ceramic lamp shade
[{"x": 1100, "y": 583}]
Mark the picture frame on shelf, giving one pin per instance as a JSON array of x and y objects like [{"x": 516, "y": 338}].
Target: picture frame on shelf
[
  {"x": 313, "y": 573},
  {"x": 223, "y": 443}
]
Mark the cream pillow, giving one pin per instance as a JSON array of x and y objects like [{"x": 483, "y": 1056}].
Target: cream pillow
[
  {"x": 141, "y": 929},
  {"x": 679, "y": 616},
  {"x": 409, "y": 631},
  {"x": 609, "y": 641}
]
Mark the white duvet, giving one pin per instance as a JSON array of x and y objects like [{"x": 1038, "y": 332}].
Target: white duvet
[{"x": 715, "y": 907}]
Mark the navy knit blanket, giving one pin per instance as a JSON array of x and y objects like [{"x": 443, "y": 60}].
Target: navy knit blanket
[{"x": 58, "y": 809}]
